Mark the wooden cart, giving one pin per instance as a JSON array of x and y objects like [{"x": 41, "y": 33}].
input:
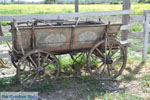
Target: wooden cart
[{"x": 36, "y": 45}]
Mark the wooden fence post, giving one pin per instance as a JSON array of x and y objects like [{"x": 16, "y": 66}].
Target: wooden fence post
[
  {"x": 1, "y": 32},
  {"x": 76, "y": 5},
  {"x": 146, "y": 34},
  {"x": 125, "y": 19}
]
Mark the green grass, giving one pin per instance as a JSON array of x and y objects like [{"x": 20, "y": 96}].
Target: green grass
[
  {"x": 23, "y": 9},
  {"x": 137, "y": 28},
  {"x": 146, "y": 80},
  {"x": 89, "y": 89}
]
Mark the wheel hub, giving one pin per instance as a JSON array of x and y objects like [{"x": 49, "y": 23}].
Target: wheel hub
[
  {"x": 109, "y": 60},
  {"x": 40, "y": 71}
]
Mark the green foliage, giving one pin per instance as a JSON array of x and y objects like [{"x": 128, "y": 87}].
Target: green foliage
[
  {"x": 137, "y": 28},
  {"x": 49, "y": 1},
  {"x": 114, "y": 2},
  {"x": 4, "y": 23},
  {"x": 147, "y": 1},
  {"x": 25, "y": 9},
  {"x": 144, "y": 1}
]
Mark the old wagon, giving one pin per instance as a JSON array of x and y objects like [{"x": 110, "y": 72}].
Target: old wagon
[{"x": 36, "y": 45}]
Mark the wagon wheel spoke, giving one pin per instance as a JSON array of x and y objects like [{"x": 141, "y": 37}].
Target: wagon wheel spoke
[
  {"x": 50, "y": 75},
  {"x": 98, "y": 69},
  {"x": 103, "y": 71},
  {"x": 100, "y": 52},
  {"x": 96, "y": 63},
  {"x": 117, "y": 57},
  {"x": 96, "y": 57},
  {"x": 113, "y": 53},
  {"x": 35, "y": 65},
  {"x": 37, "y": 73},
  {"x": 45, "y": 58},
  {"x": 112, "y": 68},
  {"x": 108, "y": 69},
  {"x": 110, "y": 48},
  {"x": 33, "y": 80},
  {"x": 78, "y": 56},
  {"x": 114, "y": 60},
  {"x": 30, "y": 76},
  {"x": 39, "y": 55}
]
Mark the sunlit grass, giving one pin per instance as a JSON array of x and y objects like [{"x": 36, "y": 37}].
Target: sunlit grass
[{"x": 23, "y": 9}]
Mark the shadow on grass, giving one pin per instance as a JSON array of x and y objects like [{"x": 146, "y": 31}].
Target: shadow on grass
[
  {"x": 132, "y": 73},
  {"x": 81, "y": 87}
]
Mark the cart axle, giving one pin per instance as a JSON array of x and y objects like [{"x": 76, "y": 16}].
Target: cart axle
[{"x": 109, "y": 60}]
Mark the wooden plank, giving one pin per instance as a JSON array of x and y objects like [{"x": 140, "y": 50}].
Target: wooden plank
[
  {"x": 137, "y": 17},
  {"x": 1, "y": 33},
  {"x": 136, "y": 47},
  {"x": 146, "y": 11},
  {"x": 64, "y": 16},
  {"x": 76, "y": 5},
  {"x": 144, "y": 55},
  {"x": 125, "y": 19},
  {"x": 137, "y": 34},
  {"x": 4, "y": 47},
  {"x": 4, "y": 55},
  {"x": 126, "y": 27},
  {"x": 125, "y": 42},
  {"x": 5, "y": 38}
]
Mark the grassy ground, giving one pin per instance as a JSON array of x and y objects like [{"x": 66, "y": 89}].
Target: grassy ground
[
  {"x": 21, "y": 9},
  {"x": 133, "y": 84}
]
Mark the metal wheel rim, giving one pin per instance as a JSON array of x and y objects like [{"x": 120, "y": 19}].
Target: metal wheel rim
[
  {"x": 123, "y": 63},
  {"x": 19, "y": 70}
]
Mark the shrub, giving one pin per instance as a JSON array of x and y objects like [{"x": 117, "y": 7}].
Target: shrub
[
  {"x": 144, "y": 1},
  {"x": 114, "y": 2}
]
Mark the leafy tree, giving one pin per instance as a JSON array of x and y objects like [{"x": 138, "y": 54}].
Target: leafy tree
[
  {"x": 144, "y": 1},
  {"x": 12, "y": 1},
  {"x": 141, "y": 1},
  {"x": 49, "y": 1}
]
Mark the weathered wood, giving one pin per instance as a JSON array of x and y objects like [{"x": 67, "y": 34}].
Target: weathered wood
[
  {"x": 137, "y": 17},
  {"x": 137, "y": 34},
  {"x": 125, "y": 19},
  {"x": 76, "y": 5},
  {"x": 125, "y": 42},
  {"x": 4, "y": 55},
  {"x": 144, "y": 55},
  {"x": 3, "y": 48},
  {"x": 64, "y": 16},
  {"x": 136, "y": 47},
  {"x": 126, "y": 27},
  {"x": 5, "y": 38},
  {"x": 146, "y": 11},
  {"x": 1, "y": 33}
]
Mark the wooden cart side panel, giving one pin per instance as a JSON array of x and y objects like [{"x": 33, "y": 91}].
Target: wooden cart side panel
[
  {"x": 58, "y": 39},
  {"x": 113, "y": 30},
  {"x": 53, "y": 39},
  {"x": 86, "y": 37},
  {"x": 26, "y": 40}
]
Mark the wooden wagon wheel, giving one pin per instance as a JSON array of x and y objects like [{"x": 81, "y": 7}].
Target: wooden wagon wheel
[
  {"x": 36, "y": 66},
  {"x": 15, "y": 63},
  {"x": 79, "y": 60},
  {"x": 107, "y": 59}
]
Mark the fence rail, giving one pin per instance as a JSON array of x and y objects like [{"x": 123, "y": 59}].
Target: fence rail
[
  {"x": 64, "y": 16},
  {"x": 141, "y": 36}
]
